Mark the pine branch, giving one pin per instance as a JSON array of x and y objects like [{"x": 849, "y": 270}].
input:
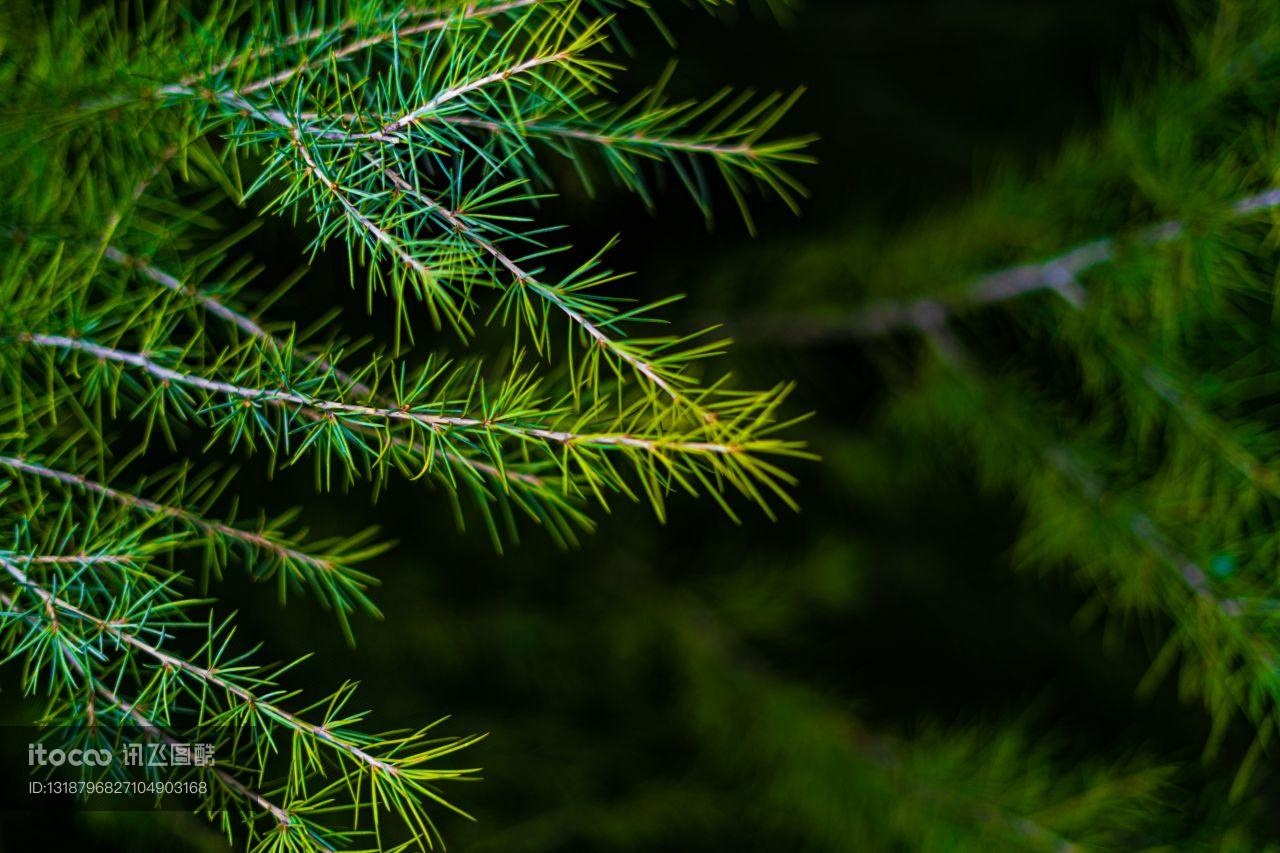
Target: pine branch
[
  {"x": 396, "y": 778},
  {"x": 228, "y": 781},
  {"x": 339, "y": 586},
  {"x": 432, "y": 422},
  {"x": 204, "y": 300},
  {"x": 553, "y": 295},
  {"x": 1059, "y": 275},
  {"x": 444, "y": 276},
  {"x": 405, "y": 27},
  {"x": 648, "y": 130},
  {"x": 1242, "y": 652},
  {"x": 363, "y": 119},
  {"x": 131, "y": 711},
  {"x": 250, "y": 327}
]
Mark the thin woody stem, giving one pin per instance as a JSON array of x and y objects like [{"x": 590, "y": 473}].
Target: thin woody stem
[
  {"x": 455, "y": 92},
  {"x": 1138, "y": 524},
  {"x": 1059, "y": 274},
  {"x": 201, "y": 674},
  {"x": 141, "y": 504},
  {"x": 430, "y": 421},
  {"x": 530, "y": 129},
  {"x": 144, "y": 722},
  {"x": 471, "y": 12},
  {"x": 336, "y": 191},
  {"x": 213, "y": 306},
  {"x": 72, "y": 559},
  {"x": 207, "y": 302},
  {"x": 545, "y": 129},
  {"x": 526, "y": 279}
]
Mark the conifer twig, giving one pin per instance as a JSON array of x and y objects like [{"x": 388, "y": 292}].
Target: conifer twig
[
  {"x": 1058, "y": 274},
  {"x": 311, "y": 95},
  {"x": 154, "y": 730},
  {"x": 145, "y": 505},
  {"x": 471, "y": 11},
  {"x": 523, "y": 278},
  {"x": 427, "y": 420},
  {"x": 202, "y": 675},
  {"x": 340, "y": 586},
  {"x": 149, "y": 726},
  {"x": 1247, "y": 642},
  {"x": 207, "y": 302},
  {"x": 248, "y": 325}
]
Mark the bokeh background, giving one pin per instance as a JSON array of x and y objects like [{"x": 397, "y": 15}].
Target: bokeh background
[{"x": 701, "y": 685}]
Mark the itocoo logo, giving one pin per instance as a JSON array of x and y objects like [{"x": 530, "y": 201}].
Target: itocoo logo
[{"x": 38, "y": 756}]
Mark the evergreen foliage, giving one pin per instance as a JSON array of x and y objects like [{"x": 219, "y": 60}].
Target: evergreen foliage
[
  {"x": 1121, "y": 386},
  {"x": 1068, "y": 372},
  {"x": 1095, "y": 340},
  {"x": 422, "y": 140}
]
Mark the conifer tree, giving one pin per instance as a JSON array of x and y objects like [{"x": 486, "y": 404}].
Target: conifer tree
[{"x": 421, "y": 141}]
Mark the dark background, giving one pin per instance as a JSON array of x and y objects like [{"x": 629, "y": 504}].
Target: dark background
[{"x": 641, "y": 691}]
